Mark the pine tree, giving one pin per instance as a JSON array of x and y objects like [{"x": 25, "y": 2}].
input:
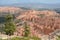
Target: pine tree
[
  {"x": 9, "y": 25},
  {"x": 27, "y": 30}
]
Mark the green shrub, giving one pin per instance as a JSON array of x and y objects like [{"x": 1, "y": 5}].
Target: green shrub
[
  {"x": 25, "y": 38},
  {"x": 58, "y": 38}
]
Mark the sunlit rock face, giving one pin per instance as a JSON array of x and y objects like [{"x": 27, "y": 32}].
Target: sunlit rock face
[
  {"x": 41, "y": 22},
  {"x": 9, "y": 9}
]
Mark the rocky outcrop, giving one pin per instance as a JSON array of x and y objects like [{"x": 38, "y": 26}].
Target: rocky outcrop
[{"x": 41, "y": 22}]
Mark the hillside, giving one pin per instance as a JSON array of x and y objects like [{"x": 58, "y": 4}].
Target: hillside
[{"x": 40, "y": 22}]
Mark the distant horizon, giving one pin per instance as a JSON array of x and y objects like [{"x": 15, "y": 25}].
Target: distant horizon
[
  {"x": 10, "y": 2},
  {"x": 31, "y": 3}
]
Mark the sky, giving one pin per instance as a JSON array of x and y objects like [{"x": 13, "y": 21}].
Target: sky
[{"x": 3, "y": 2}]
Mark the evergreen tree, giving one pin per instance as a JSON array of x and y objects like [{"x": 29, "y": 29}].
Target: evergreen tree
[
  {"x": 27, "y": 30},
  {"x": 9, "y": 25}
]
